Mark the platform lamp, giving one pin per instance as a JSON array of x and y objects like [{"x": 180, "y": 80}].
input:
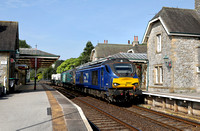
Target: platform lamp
[
  {"x": 168, "y": 63},
  {"x": 17, "y": 55}
]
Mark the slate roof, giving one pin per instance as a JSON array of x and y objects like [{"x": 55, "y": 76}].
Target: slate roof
[
  {"x": 9, "y": 36},
  {"x": 104, "y": 50},
  {"x": 131, "y": 56},
  {"x": 176, "y": 21},
  {"x": 134, "y": 57},
  {"x": 34, "y": 52},
  {"x": 27, "y": 56}
]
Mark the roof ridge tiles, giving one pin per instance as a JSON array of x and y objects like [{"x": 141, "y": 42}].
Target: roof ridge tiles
[{"x": 177, "y": 8}]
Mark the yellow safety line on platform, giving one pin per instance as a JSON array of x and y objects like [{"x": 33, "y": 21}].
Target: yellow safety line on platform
[{"x": 58, "y": 120}]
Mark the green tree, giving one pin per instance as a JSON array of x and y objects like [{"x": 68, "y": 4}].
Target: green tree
[
  {"x": 68, "y": 64},
  {"x": 48, "y": 72},
  {"x": 40, "y": 76},
  {"x": 74, "y": 62},
  {"x": 85, "y": 55},
  {"x": 23, "y": 44}
]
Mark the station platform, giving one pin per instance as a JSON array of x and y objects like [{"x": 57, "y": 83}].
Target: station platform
[
  {"x": 184, "y": 104},
  {"x": 193, "y": 97},
  {"x": 41, "y": 109}
]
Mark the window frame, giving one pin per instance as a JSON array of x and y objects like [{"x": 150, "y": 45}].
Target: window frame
[
  {"x": 198, "y": 69},
  {"x": 158, "y": 43},
  {"x": 158, "y": 74}
]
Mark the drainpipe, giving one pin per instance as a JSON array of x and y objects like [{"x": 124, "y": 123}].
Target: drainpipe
[{"x": 147, "y": 74}]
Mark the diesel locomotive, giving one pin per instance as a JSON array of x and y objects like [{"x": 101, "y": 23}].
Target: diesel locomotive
[{"x": 114, "y": 80}]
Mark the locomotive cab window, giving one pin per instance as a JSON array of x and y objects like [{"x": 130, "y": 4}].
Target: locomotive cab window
[
  {"x": 123, "y": 68},
  {"x": 101, "y": 71},
  {"x": 107, "y": 69}
]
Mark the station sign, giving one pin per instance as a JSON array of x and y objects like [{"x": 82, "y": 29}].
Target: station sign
[{"x": 3, "y": 62}]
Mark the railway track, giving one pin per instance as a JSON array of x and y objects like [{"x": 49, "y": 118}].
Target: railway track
[
  {"x": 100, "y": 118},
  {"x": 165, "y": 119},
  {"x": 111, "y": 117}
]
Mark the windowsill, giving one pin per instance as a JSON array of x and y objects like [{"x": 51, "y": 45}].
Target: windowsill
[
  {"x": 160, "y": 84},
  {"x": 158, "y": 52}
]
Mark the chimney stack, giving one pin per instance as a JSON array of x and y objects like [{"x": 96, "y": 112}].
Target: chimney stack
[
  {"x": 197, "y": 6},
  {"x": 129, "y": 42},
  {"x": 105, "y": 41},
  {"x": 135, "y": 42}
]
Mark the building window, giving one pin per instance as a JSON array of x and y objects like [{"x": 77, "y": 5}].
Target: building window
[
  {"x": 159, "y": 43},
  {"x": 198, "y": 69},
  {"x": 130, "y": 51},
  {"x": 158, "y": 75}
]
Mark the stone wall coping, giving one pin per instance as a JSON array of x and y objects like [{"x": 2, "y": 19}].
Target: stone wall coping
[{"x": 194, "y": 97}]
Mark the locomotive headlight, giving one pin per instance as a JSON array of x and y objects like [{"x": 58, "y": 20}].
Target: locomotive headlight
[
  {"x": 136, "y": 85},
  {"x": 116, "y": 84}
]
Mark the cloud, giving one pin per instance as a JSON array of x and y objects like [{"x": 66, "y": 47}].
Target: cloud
[
  {"x": 16, "y": 3},
  {"x": 25, "y": 3}
]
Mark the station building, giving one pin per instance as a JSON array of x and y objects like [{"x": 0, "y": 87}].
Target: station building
[
  {"x": 32, "y": 58},
  {"x": 103, "y": 50},
  {"x": 173, "y": 40},
  {"x": 15, "y": 62},
  {"x": 9, "y": 47},
  {"x": 173, "y": 52}
]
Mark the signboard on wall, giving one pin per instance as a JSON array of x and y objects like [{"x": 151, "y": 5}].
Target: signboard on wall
[{"x": 3, "y": 62}]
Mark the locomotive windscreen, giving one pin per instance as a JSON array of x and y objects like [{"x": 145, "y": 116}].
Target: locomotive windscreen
[{"x": 123, "y": 68}]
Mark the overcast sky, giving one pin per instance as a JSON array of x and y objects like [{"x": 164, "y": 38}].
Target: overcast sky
[{"x": 63, "y": 27}]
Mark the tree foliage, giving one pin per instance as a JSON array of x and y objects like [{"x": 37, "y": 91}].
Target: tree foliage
[
  {"x": 45, "y": 73},
  {"x": 74, "y": 62},
  {"x": 85, "y": 55},
  {"x": 23, "y": 44},
  {"x": 68, "y": 64}
]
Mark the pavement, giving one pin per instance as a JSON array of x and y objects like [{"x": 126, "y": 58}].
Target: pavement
[
  {"x": 43, "y": 109},
  {"x": 26, "y": 110}
]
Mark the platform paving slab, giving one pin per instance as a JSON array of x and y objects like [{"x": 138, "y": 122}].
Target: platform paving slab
[
  {"x": 74, "y": 116},
  {"x": 40, "y": 110},
  {"x": 25, "y": 111}
]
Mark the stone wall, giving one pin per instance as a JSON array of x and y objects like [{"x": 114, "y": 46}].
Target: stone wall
[
  {"x": 197, "y": 6},
  {"x": 185, "y": 61},
  {"x": 198, "y": 65},
  {"x": 4, "y": 63},
  {"x": 184, "y": 55},
  {"x": 157, "y": 58}
]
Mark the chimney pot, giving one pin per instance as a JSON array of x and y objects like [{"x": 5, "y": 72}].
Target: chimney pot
[{"x": 135, "y": 42}]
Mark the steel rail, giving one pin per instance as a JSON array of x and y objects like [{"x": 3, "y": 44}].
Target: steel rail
[
  {"x": 110, "y": 116},
  {"x": 169, "y": 116},
  {"x": 150, "y": 119},
  {"x": 138, "y": 114},
  {"x": 105, "y": 113}
]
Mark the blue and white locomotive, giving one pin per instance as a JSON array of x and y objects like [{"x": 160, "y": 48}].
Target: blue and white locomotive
[{"x": 114, "y": 80}]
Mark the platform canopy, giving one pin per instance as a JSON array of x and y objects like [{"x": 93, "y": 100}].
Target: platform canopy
[{"x": 35, "y": 58}]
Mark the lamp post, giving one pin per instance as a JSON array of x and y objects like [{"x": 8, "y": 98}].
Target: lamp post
[{"x": 168, "y": 63}]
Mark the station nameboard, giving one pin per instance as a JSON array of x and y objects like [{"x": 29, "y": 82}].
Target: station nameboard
[{"x": 3, "y": 62}]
